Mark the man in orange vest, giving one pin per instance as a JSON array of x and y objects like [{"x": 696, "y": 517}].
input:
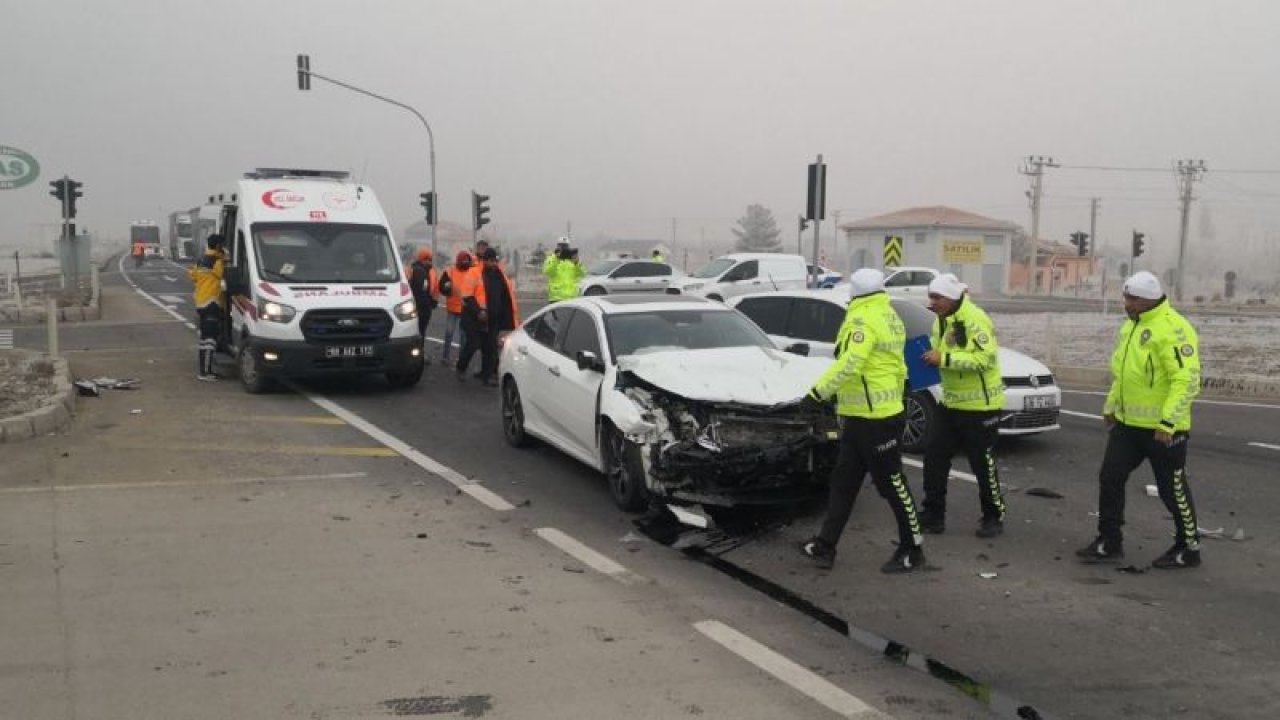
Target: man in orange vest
[
  {"x": 426, "y": 291},
  {"x": 139, "y": 254},
  {"x": 488, "y": 311},
  {"x": 451, "y": 282}
]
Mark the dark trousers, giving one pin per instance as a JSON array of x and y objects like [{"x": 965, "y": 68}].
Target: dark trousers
[
  {"x": 975, "y": 432},
  {"x": 424, "y": 319},
  {"x": 210, "y": 328},
  {"x": 870, "y": 446},
  {"x": 1127, "y": 447},
  {"x": 476, "y": 340}
]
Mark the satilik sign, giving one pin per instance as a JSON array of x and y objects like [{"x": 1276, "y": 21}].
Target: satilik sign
[{"x": 17, "y": 168}]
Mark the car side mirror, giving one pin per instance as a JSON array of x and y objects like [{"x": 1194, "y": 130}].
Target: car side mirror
[
  {"x": 800, "y": 348},
  {"x": 588, "y": 360}
]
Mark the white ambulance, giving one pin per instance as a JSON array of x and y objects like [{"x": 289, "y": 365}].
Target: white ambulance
[{"x": 314, "y": 285}]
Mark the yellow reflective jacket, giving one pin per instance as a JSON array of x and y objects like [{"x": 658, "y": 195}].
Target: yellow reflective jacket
[
  {"x": 869, "y": 375},
  {"x": 1155, "y": 371},
  {"x": 562, "y": 277},
  {"x": 970, "y": 367},
  {"x": 206, "y": 275}
]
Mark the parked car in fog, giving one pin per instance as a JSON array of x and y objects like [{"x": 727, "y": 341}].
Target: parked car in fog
[
  {"x": 614, "y": 276},
  {"x": 1031, "y": 399}
]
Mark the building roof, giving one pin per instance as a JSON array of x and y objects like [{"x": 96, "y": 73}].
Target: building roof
[{"x": 934, "y": 215}]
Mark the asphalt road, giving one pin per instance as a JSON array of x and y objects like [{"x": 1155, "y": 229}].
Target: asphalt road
[{"x": 1067, "y": 639}]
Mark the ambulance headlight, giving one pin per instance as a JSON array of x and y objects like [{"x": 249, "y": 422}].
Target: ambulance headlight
[
  {"x": 275, "y": 312},
  {"x": 407, "y": 310}
]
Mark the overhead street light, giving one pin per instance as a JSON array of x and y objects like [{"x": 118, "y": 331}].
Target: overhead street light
[{"x": 304, "y": 83}]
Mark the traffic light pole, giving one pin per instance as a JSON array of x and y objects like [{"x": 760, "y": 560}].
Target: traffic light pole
[{"x": 305, "y": 69}]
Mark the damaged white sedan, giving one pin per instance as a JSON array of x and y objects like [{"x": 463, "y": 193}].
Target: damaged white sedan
[{"x": 676, "y": 399}]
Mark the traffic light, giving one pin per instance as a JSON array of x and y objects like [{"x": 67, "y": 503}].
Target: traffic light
[
  {"x": 479, "y": 210},
  {"x": 73, "y": 192},
  {"x": 1137, "y": 243},
  {"x": 804, "y": 223},
  {"x": 428, "y": 204},
  {"x": 304, "y": 72},
  {"x": 1081, "y": 241},
  {"x": 60, "y": 191}
]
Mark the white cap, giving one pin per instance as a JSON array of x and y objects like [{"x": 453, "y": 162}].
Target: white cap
[
  {"x": 865, "y": 282},
  {"x": 1144, "y": 285},
  {"x": 948, "y": 286}
]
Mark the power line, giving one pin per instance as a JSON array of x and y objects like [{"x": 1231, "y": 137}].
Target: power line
[{"x": 1113, "y": 168}]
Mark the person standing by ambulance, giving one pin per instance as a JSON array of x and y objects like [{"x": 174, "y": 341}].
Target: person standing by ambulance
[
  {"x": 1155, "y": 374},
  {"x": 488, "y": 309},
  {"x": 206, "y": 275},
  {"x": 965, "y": 352},
  {"x": 867, "y": 381},
  {"x": 424, "y": 285}
]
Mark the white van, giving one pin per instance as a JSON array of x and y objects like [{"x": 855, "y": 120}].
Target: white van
[
  {"x": 313, "y": 281},
  {"x": 742, "y": 273}
]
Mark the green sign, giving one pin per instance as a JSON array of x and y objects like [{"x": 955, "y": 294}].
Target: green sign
[{"x": 16, "y": 168}]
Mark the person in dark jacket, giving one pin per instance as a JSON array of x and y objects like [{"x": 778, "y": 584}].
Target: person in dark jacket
[
  {"x": 425, "y": 288},
  {"x": 488, "y": 311}
]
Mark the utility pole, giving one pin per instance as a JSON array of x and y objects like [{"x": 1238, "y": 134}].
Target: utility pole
[
  {"x": 816, "y": 209},
  {"x": 1034, "y": 167},
  {"x": 835, "y": 235},
  {"x": 1189, "y": 171},
  {"x": 673, "y": 234}
]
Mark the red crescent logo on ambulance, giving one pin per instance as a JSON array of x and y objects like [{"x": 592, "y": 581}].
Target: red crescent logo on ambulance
[{"x": 281, "y": 199}]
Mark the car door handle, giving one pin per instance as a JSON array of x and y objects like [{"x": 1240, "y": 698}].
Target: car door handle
[{"x": 554, "y": 370}]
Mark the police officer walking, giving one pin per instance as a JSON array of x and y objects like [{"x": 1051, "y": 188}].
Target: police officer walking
[
  {"x": 965, "y": 352},
  {"x": 867, "y": 380},
  {"x": 563, "y": 270},
  {"x": 1155, "y": 371}
]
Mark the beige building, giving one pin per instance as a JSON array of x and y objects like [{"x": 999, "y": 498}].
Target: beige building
[{"x": 977, "y": 249}]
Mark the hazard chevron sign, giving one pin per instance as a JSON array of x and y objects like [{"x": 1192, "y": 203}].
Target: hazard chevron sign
[{"x": 892, "y": 250}]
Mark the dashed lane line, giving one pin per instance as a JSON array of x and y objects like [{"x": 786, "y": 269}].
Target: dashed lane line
[
  {"x": 180, "y": 483},
  {"x": 479, "y": 492},
  {"x": 967, "y": 477},
  {"x": 152, "y": 299},
  {"x": 1074, "y": 413},
  {"x": 801, "y": 679},
  {"x": 585, "y": 555},
  {"x": 1267, "y": 446}
]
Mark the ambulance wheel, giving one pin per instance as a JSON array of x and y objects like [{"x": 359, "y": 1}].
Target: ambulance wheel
[
  {"x": 625, "y": 471},
  {"x": 251, "y": 372},
  {"x": 921, "y": 421}
]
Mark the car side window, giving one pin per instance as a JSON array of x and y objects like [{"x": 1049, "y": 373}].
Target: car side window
[
  {"x": 922, "y": 278},
  {"x": 653, "y": 269},
  {"x": 746, "y": 270},
  {"x": 900, "y": 279},
  {"x": 628, "y": 270},
  {"x": 546, "y": 327},
  {"x": 581, "y": 334},
  {"x": 815, "y": 320},
  {"x": 770, "y": 313}
]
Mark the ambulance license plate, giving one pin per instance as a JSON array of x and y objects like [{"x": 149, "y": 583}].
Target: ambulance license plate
[
  {"x": 1038, "y": 402},
  {"x": 341, "y": 351}
]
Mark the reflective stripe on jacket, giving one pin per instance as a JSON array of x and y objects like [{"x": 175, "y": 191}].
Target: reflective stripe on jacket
[
  {"x": 869, "y": 375},
  {"x": 970, "y": 365},
  {"x": 206, "y": 275},
  {"x": 1155, "y": 371}
]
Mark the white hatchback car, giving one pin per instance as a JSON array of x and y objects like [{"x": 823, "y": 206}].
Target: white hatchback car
[
  {"x": 628, "y": 276},
  {"x": 674, "y": 398},
  {"x": 812, "y": 317}
]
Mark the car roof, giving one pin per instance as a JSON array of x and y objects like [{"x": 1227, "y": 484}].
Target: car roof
[
  {"x": 621, "y": 303},
  {"x": 890, "y": 271}
]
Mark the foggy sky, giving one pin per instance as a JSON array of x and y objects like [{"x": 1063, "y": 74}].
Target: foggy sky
[{"x": 620, "y": 116}]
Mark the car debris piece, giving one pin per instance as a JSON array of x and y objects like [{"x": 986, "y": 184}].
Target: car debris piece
[
  {"x": 136, "y": 411},
  {"x": 116, "y": 384},
  {"x": 987, "y": 575},
  {"x": 1153, "y": 491},
  {"x": 1218, "y": 534},
  {"x": 86, "y": 389},
  {"x": 1131, "y": 570},
  {"x": 1239, "y": 535},
  {"x": 1044, "y": 493}
]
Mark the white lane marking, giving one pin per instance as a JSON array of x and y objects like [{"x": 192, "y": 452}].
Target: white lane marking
[
  {"x": 170, "y": 278},
  {"x": 180, "y": 483},
  {"x": 1228, "y": 403},
  {"x": 1080, "y": 414},
  {"x": 467, "y": 485},
  {"x": 6, "y": 339},
  {"x": 799, "y": 678},
  {"x": 172, "y": 299},
  {"x": 153, "y": 300},
  {"x": 1268, "y": 446},
  {"x": 587, "y": 556},
  {"x": 967, "y": 477}
]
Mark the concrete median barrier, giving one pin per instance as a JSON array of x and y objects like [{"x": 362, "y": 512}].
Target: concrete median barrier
[{"x": 54, "y": 413}]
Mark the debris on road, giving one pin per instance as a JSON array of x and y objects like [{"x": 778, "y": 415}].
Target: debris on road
[
  {"x": 1131, "y": 570},
  {"x": 1218, "y": 534},
  {"x": 1153, "y": 491},
  {"x": 1044, "y": 493},
  {"x": 136, "y": 411},
  {"x": 573, "y": 569},
  {"x": 84, "y": 388},
  {"x": 987, "y": 575},
  {"x": 117, "y": 384},
  {"x": 1239, "y": 535}
]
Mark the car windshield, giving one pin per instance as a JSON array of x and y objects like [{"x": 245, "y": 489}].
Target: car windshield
[
  {"x": 714, "y": 268},
  {"x": 604, "y": 267},
  {"x": 324, "y": 252},
  {"x": 636, "y": 333}
]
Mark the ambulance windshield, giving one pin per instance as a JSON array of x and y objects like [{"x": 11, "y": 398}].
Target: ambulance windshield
[{"x": 324, "y": 253}]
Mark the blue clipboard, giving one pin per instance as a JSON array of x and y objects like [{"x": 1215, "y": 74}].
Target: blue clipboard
[{"x": 919, "y": 374}]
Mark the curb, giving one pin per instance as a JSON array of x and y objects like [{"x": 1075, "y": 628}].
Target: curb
[
  {"x": 1219, "y": 387},
  {"x": 55, "y": 415}
]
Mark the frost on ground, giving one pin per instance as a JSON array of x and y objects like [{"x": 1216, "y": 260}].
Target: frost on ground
[
  {"x": 25, "y": 384},
  {"x": 1235, "y": 347}
]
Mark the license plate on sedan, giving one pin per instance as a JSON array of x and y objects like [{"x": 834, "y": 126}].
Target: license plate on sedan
[
  {"x": 341, "y": 351},
  {"x": 1039, "y": 402}
]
